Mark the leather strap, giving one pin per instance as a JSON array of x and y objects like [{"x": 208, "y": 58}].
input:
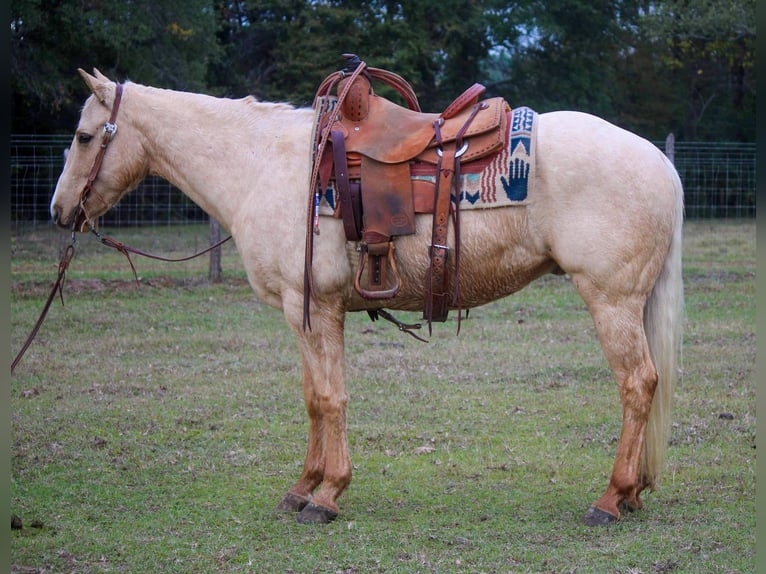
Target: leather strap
[
  {"x": 110, "y": 128},
  {"x": 308, "y": 280},
  {"x": 470, "y": 96},
  {"x": 456, "y": 212},
  {"x": 57, "y": 287},
  {"x": 399, "y": 84},
  {"x": 448, "y": 172},
  {"x": 436, "y": 305},
  {"x": 351, "y": 226}
]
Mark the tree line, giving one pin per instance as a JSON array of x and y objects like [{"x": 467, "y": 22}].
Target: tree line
[{"x": 653, "y": 67}]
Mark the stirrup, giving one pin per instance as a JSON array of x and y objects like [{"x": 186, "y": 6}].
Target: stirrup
[{"x": 377, "y": 294}]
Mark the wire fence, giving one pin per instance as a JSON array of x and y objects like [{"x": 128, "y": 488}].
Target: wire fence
[
  {"x": 719, "y": 182},
  {"x": 37, "y": 162},
  {"x": 718, "y": 178}
]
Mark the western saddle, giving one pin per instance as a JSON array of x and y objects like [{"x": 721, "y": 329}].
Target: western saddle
[{"x": 367, "y": 148}]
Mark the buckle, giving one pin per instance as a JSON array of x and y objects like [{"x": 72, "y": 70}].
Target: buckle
[
  {"x": 437, "y": 246},
  {"x": 110, "y": 128},
  {"x": 458, "y": 153}
]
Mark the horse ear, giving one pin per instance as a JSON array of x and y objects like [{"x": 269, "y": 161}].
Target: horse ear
[
  {"x": 100, "y": 76},
  {"x": 99, "y": 84}
]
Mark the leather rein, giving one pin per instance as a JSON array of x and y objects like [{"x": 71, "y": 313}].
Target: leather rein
[{"x": 80, "y": 221}]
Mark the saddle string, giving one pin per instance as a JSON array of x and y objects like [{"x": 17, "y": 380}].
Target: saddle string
[{"x": 448, "y": 176}]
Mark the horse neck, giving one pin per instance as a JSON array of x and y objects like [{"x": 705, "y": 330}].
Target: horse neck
[{"x": 223, "y": 152}]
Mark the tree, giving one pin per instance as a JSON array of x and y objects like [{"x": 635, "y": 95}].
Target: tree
[
  {"x": 564, "y": 57},
  {"x": 169, "y": 43},
  {"x": 283, "y": 50},
  {"x": 708, "y": 49},
  {"x": 686, "y": 66},
  {"x": 651, "y": 66}
]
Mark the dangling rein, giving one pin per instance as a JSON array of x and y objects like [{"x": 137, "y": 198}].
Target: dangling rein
[{"x": 110, "y": 128}]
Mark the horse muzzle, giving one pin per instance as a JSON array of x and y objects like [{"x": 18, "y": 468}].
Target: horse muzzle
[{"x": 78, "y": 221}]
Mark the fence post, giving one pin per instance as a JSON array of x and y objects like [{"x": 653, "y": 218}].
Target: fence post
[
  {"x": 670, "y": 147},
  {"x": 215, "y": 254}
]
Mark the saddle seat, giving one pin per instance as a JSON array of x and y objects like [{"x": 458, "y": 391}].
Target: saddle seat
[
  {"x": 367, "y": 147},
  {"x": 393, "y": 134}
]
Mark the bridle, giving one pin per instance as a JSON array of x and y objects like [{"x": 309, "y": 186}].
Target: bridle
[
  {"x": 81, "y": 219},
  {"x": 78, "y": 222},
  {"x": 110, "y": 128}
]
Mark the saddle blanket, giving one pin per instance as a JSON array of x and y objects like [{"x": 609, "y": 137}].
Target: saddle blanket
[{"x": 500, "y": 180}]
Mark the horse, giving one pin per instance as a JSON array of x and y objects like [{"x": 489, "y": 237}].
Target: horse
[{"x": 607, "y": 210}]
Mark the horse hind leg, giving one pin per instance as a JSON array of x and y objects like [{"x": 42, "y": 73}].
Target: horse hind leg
[{"x": 621, "y": 332}]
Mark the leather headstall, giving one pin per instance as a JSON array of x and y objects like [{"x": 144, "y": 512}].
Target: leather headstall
[
  {"x": 110, "y": 128},
  {"x": 81, "y": 219}
]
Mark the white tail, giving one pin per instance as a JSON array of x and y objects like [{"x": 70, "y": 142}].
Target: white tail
[{"x": 663, "y": 323}]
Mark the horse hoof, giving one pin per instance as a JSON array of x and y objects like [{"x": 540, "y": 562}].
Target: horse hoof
[
  {"x": 293, "y": 502},
  {"x": 597, "y": 517},
  {"x": 626, "y": 506},
  {"x": 315, "y": 514}
]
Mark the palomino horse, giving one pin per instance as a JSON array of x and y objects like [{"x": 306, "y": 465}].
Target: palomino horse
[{"x": 607, "y": 210}]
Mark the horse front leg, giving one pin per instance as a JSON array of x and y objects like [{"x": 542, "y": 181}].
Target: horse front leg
[
  {"x": 301, "y": 492},
  {"x": 328, "y": 464}
]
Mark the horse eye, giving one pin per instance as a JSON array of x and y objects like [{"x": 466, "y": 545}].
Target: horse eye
[{"x": 84, "y": 138}]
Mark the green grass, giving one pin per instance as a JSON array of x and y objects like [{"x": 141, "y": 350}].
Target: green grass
[{"x": 156, "y": 426}]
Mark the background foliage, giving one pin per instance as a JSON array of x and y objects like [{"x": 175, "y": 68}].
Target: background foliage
[{"x": 686, "y": 66}]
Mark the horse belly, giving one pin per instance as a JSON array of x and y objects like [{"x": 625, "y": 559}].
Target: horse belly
[{"x": 498, "y": 256}]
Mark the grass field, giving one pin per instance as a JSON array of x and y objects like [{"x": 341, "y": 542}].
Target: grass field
[{"x": 155, "y": 426}]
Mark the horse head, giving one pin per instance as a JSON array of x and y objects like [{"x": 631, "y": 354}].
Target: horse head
[{"x": 94, "y": 179}]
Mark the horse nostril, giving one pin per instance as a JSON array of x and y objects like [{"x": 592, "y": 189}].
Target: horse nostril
[{"x": 56, "y": 215}]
